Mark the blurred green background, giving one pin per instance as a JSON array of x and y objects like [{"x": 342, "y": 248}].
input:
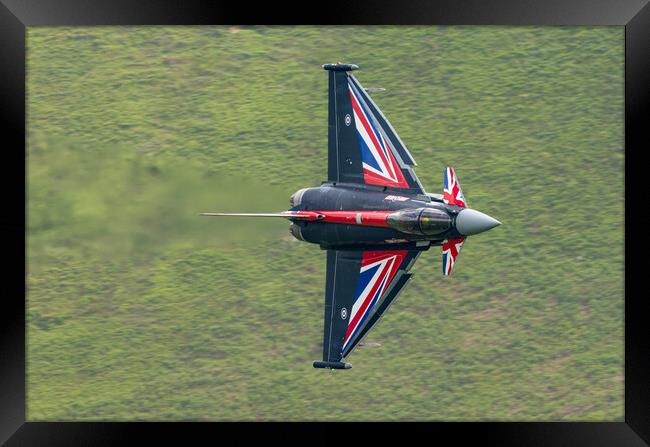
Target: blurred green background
[{"x": 139, "y": 309}]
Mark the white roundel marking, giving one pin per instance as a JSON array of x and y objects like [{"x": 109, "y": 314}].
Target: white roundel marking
[
  {"x": 348, "y": 119},
  {"x": 344, "y": 313}
]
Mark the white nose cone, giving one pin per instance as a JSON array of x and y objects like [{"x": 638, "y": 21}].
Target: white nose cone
[{"x": 470, "y": 222}]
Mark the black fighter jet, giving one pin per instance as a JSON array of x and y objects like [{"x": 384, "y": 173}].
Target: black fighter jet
[{"x": 372, "y": 216}]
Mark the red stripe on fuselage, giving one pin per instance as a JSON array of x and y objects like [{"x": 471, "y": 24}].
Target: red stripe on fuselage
[{"x": 366, "y": 218}]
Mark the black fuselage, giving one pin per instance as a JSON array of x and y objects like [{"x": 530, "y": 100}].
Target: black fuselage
[{"x": 353, "y": 197}]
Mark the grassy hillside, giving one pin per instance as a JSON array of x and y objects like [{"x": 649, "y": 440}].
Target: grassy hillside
[{"x": 139, "y": 309}]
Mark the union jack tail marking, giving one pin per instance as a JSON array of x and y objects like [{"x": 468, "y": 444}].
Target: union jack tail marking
[
  {"x": 453, "y": 195},
  {"x": 377, "y": 271},
  {"x": 450, "y": 251}
]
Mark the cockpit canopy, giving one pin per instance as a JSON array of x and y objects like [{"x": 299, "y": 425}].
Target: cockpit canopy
[{"x": 426, "y": 221}]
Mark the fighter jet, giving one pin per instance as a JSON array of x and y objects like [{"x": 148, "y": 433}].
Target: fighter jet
[{"x": 373, "y": 217}]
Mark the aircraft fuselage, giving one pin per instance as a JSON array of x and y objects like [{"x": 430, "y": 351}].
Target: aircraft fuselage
[{"x": 356, "y": 215}]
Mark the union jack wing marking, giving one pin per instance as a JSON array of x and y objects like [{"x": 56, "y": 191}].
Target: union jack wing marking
[
  {"x": 379, "y": 164},
  {"x": 453, "y": 195},
  {"x": 450, "y": 251},
  {"x": 377, "y": 271}
]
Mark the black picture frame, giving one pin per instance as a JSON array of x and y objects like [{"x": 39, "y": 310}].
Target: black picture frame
[{"x": 16, "y": 15}]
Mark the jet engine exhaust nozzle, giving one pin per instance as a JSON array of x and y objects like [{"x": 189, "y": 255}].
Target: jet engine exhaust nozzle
[{"x": 470, "y": 222}]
